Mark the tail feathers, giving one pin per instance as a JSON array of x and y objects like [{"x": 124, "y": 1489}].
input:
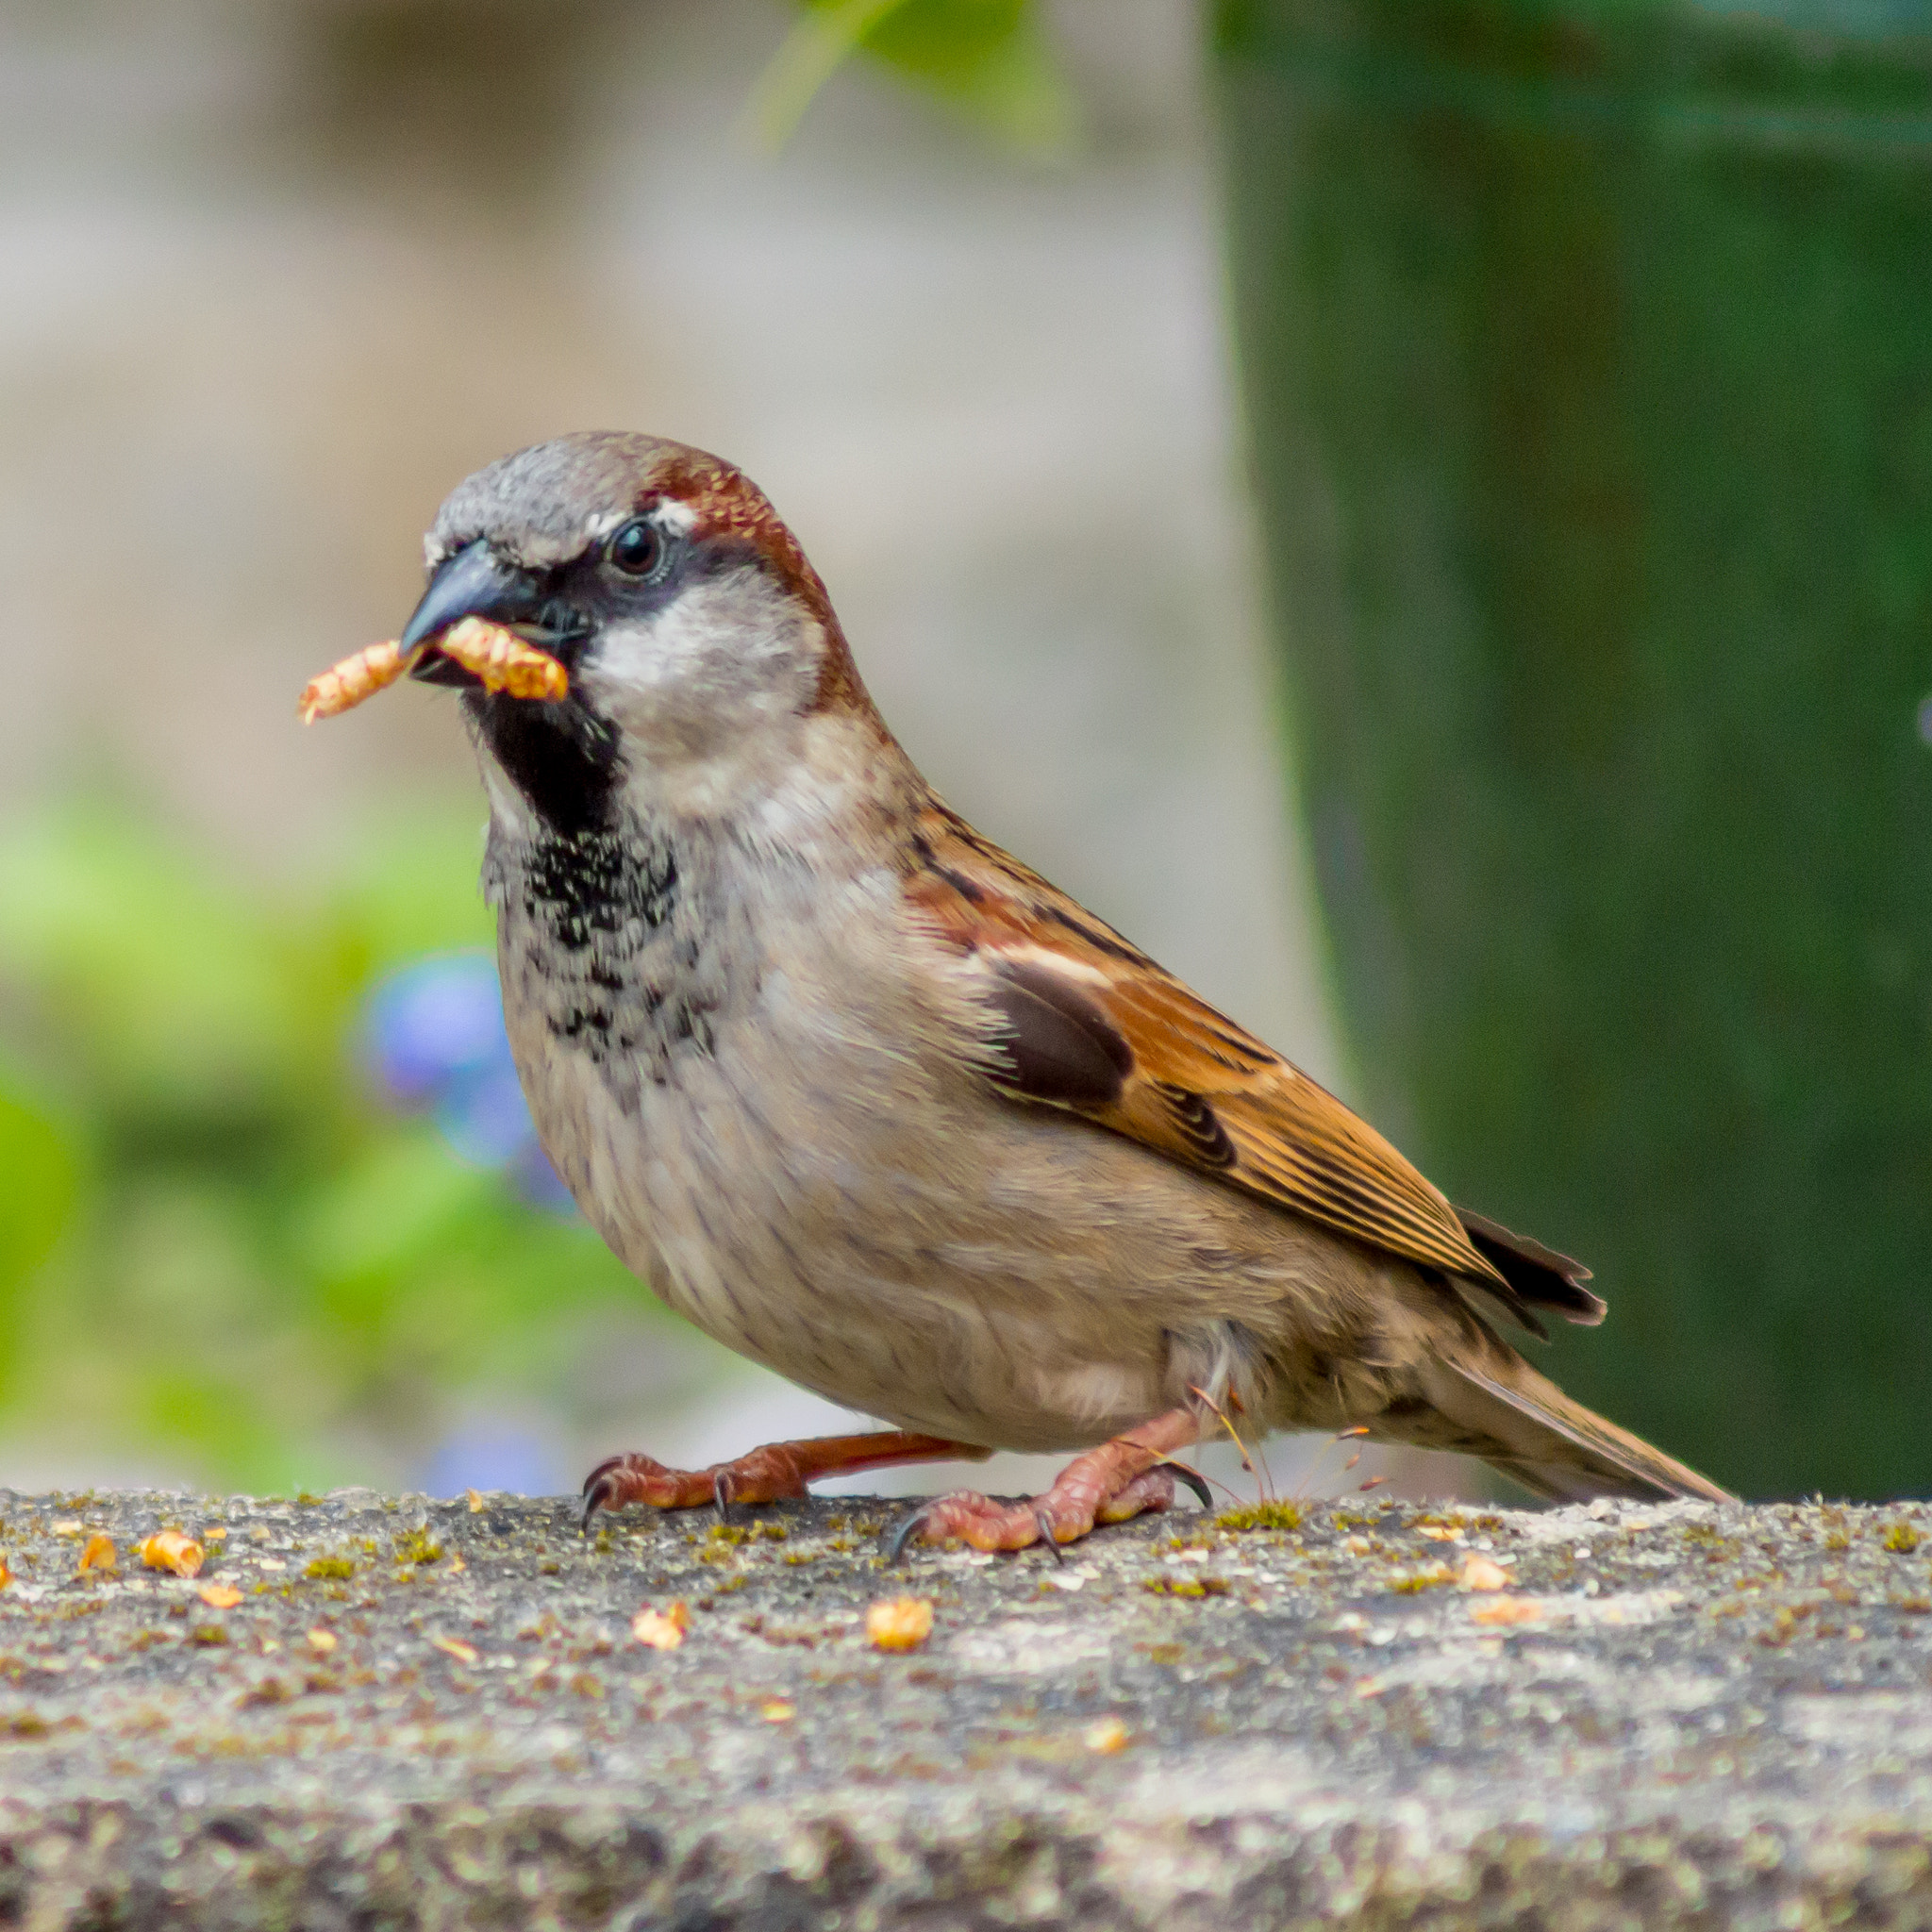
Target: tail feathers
[
  {"x": 1535, "y": 1276},
  {"x": 1525, "y": 1425}
]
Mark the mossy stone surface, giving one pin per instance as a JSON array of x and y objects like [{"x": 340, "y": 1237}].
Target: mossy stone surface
[{"x": 1692, "y": 1715}]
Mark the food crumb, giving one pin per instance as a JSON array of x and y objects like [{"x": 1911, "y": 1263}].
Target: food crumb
[
  {"x": 170, "y": 1549},
  {"x": 1506, "y": 1609},
  {"x": 899, "y": 1623},
  {"x": 661, "y": 1630}
]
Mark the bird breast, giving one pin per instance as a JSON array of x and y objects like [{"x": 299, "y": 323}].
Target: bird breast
[{"x": 769, "y": 1105}]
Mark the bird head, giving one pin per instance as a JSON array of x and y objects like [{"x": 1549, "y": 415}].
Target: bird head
[{"x": 700, "y": 644}]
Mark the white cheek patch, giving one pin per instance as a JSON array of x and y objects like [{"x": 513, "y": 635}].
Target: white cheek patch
[
  {"x": 727, "y": 651},
  {"x": 711, "y": 692}
]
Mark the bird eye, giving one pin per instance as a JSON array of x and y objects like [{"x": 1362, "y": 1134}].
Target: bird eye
[{"x": 636, "y": 549}]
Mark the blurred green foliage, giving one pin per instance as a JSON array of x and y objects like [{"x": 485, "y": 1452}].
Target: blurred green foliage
[
  {"x": 220, "y": 1253},
  {"x": 221, "y": 1256},
  {"x": 989, "y": 60}
]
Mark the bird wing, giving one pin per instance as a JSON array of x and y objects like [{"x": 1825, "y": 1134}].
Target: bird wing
[{"x": 1086, "y": 1021}]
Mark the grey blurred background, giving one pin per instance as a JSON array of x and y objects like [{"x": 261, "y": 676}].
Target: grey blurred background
[{"x": 276, "y": 277}]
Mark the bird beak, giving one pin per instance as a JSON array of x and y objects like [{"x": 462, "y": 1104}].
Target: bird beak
[{"x": 476, "y": 582}]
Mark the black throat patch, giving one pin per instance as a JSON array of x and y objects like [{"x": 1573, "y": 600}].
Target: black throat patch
[
  {"x": 562, "y": 756},
  {"x": 585, "y": 886},
  {"x": 600, "y": 946}
]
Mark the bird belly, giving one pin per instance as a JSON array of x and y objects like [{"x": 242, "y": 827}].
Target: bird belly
[
  {"x": 821, "y": 1228},
  {"x": 822, "y": 1271},
  {"x": 939, "y": 1258},
  {"x": 779, "y": 1129}
]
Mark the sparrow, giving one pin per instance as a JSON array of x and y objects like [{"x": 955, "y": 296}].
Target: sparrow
[{"x": 869, "y": 1102}]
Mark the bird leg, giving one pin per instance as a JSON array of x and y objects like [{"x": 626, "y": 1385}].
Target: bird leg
[
  {"x": 776, "y": 1473},
  {"x": 1119, "y": 1480}
]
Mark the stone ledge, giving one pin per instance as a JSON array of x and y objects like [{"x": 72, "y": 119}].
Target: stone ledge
[{"x": 1677, "y": 1714}]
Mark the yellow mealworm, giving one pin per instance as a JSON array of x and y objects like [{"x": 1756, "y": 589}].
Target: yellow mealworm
[
  {"x": 498, "y": 657},
  {"x": 349, "y": 682},
  {"x": 503, "y": 660}
]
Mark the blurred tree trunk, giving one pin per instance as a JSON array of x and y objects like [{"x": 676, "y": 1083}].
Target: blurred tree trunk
[{"x": 1589, "y": 376}]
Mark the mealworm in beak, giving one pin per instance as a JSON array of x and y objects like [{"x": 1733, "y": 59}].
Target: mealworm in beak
[
  {"x": 345, "y": 685},
  {"x": 501, "y": 659}
]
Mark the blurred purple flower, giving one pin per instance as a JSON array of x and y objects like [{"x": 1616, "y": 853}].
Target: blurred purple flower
[
  {"x": 486, "y": 1455},
  {"x": 433, "y": 1038}
]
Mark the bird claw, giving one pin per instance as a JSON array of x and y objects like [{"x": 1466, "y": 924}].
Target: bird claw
[
  {"x": 600, "y": 1486},
  {"x": 908, "y": 1527},
  {"x": 1044, "y": 1524},
  {"x": 1194, "y": 1480},
  {"x": 771, "y": 1474},
  {"x": 915, "y": 1521},
  {"x": 1079, "y": 1499}
]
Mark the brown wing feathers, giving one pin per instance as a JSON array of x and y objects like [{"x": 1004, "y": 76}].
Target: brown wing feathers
[
  {"x": 1059, "y": 1046},
  {"x": 1089, "y": 1023}
]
